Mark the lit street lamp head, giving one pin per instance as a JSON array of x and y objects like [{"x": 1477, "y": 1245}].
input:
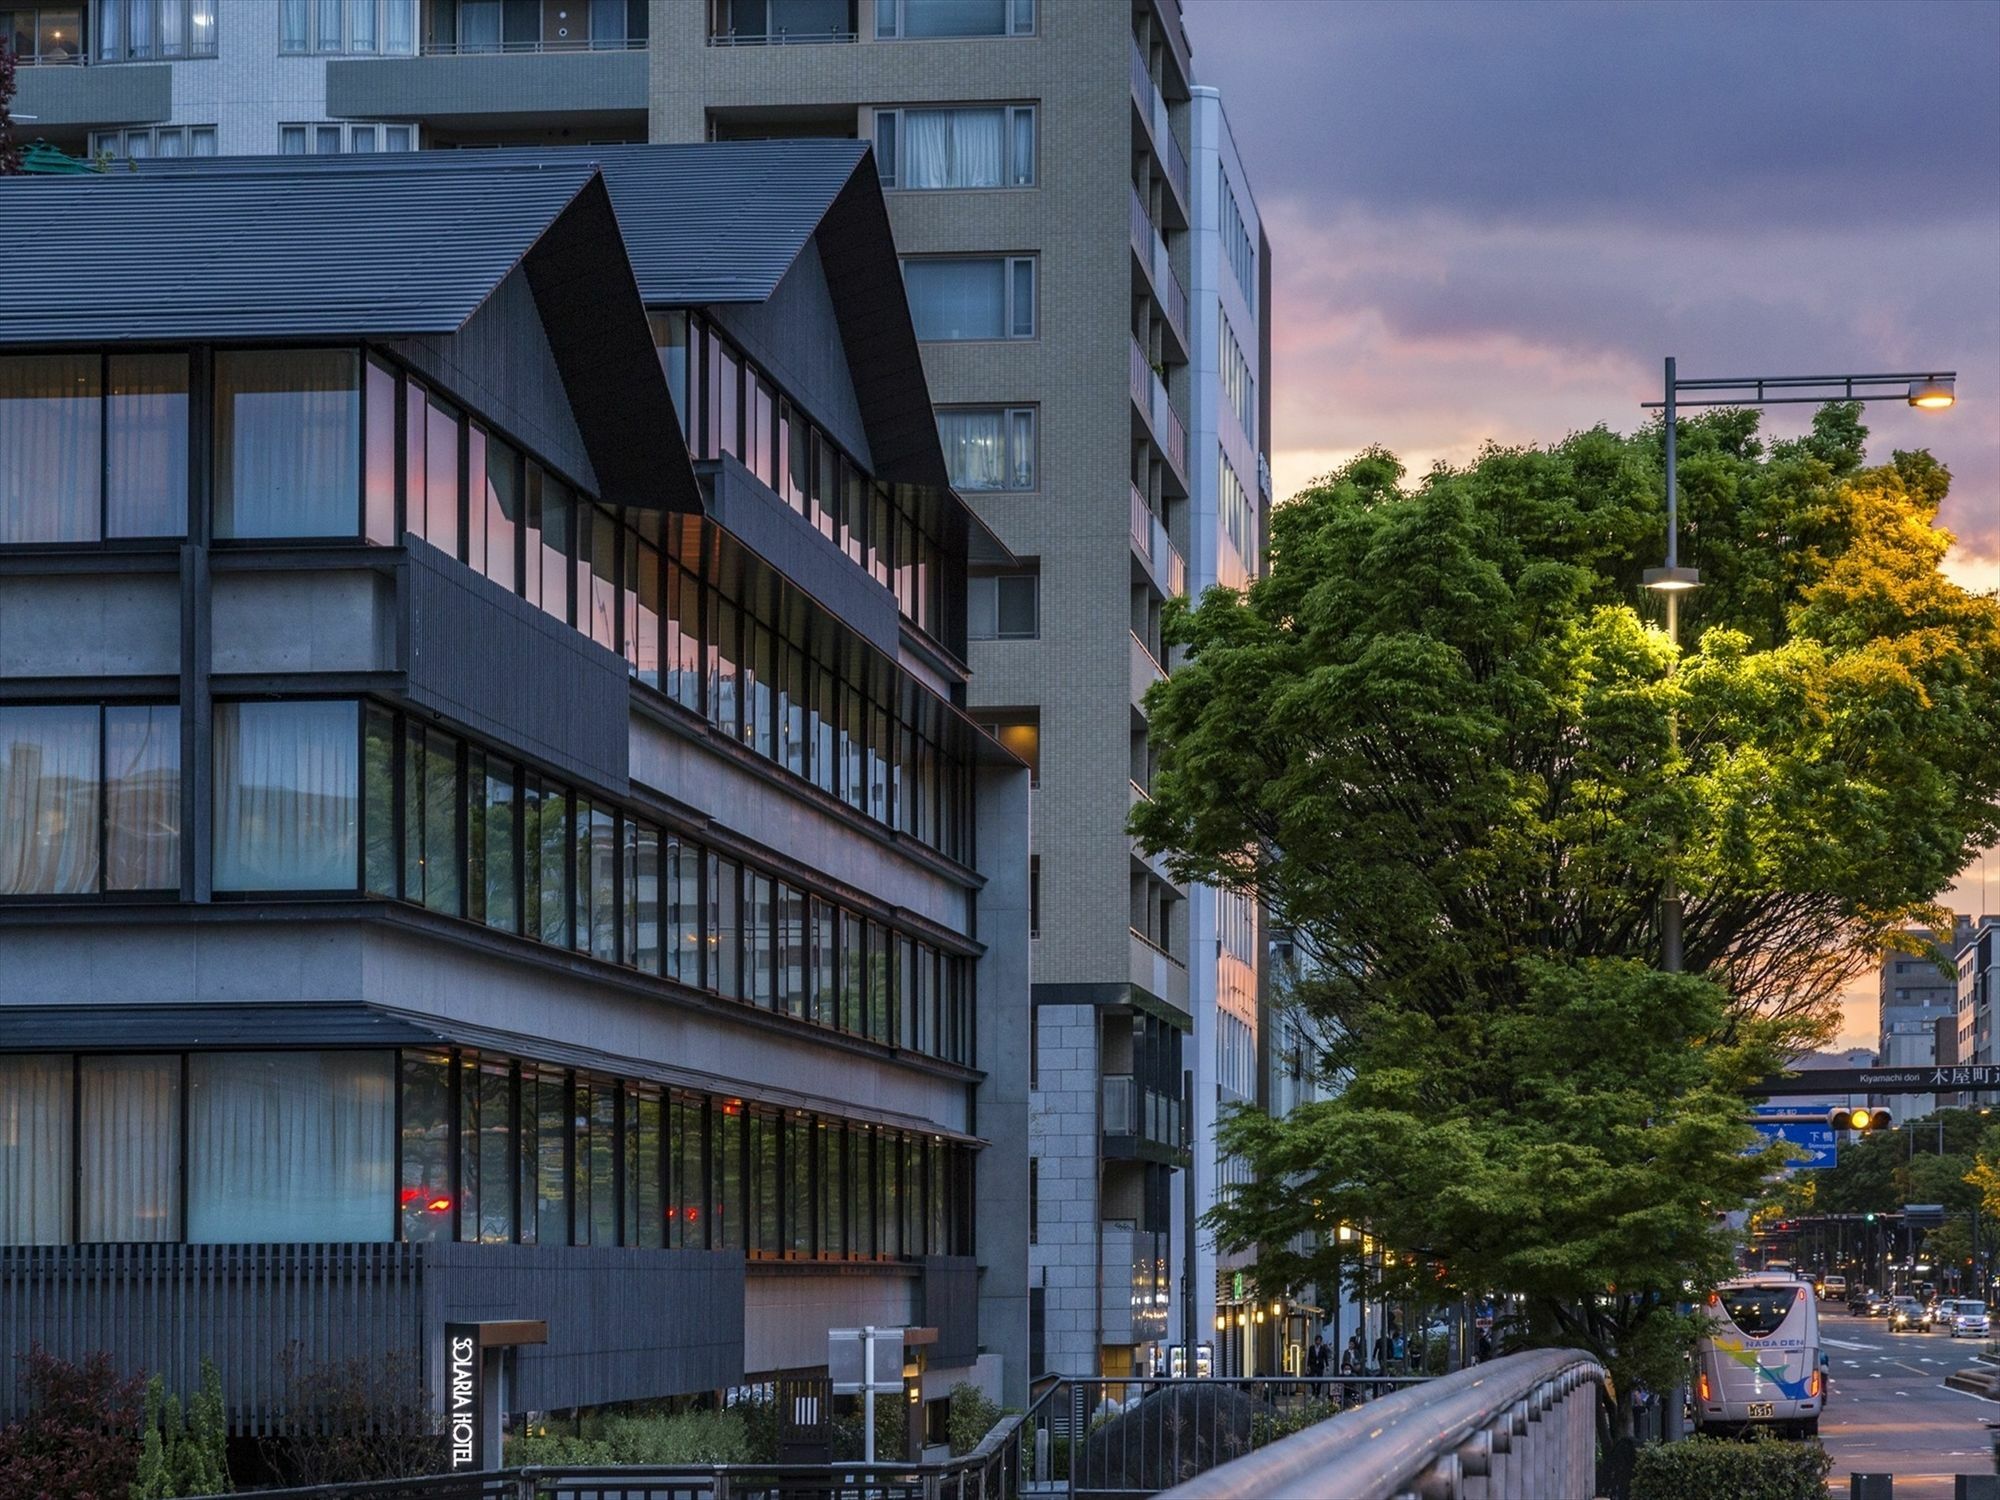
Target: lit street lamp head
[
  {"x": 1671, "y": 580},
  {"x": 1934, "y": 393}
]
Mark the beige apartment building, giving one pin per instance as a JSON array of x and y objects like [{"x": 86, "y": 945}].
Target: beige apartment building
[{"x": 1036, "y": 160}]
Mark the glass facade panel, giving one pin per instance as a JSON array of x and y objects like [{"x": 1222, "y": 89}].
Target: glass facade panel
[
  {"x": 142, "y": 797},
  {"x": 50, "y": 455},
  {"x": 128, "y": 1154},
  {"x": 425, "y": 1199},
  {"x": 287, "y": 443},
  {"x": 290, "y": 1146},
  {"x": 37, "y": 1169},
  {"x": 286, "y": 796},
  {"x": 145, "y": 445},
  {"x": 49, "y": 799}
]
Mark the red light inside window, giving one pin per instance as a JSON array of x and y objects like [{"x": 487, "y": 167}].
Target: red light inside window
[{"x": 439, "y": 1205}]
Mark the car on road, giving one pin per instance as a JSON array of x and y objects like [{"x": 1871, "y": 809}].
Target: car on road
[
  {"x": 1759, "y": 1364},
  {"x": 1907, "y": 1314},
  {"x": 1966, "y": 1317},
  {"x": 1857, "y": 1300},
  {"x": 1833, "y": 1288}
]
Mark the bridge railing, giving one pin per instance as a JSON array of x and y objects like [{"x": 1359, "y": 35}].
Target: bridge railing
[
  {"x": 1107, "y": 1438},
  {"x": 1525, "y": 1425}
]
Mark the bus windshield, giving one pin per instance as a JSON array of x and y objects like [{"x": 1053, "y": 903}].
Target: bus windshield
[{"x": 1758, "y": 1310}]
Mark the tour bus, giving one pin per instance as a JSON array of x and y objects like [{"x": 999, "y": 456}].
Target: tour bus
[{"x": 1759, "y": 1363}]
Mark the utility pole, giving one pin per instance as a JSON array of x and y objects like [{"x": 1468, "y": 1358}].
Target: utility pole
[{"x": 1188, "y": 1259}]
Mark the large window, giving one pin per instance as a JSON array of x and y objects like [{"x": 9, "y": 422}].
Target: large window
[
  {"x": 149, "y": 30},
  {"x": 145, "y": 141},
  {"x": 287, "y": 442},
  {"x": 971, "y": 297},
  {"x": 334, "y": 138},
  {"x": 287, "y": 796},
  {"x": 757, "y": 23},
  {"x": 359, "y": 27},
  {"x": 323, "y": 1146},
  {"x": 93, "y": 446},
  {"x": 917, "y": 19},
  {"x": 989, "y": 447},
  {"x": 984, "y": 146},
  {"x": 290, "y": 1146},
  {"x": 89, "y": 799},
  {"x": 1002, "y": 607},
  {"x": 42, "y": 33}
]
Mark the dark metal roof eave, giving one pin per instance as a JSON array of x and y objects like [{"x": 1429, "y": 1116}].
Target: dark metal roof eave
[{"x": 248, "y": 1026}]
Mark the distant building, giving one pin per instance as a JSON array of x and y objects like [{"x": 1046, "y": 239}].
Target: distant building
[
  {"x": 1914, "y": 993},
  {"x": 1978, "y": 958}
]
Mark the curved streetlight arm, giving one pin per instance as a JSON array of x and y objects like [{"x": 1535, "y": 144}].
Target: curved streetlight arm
[{"x": 1751, "y": 390}]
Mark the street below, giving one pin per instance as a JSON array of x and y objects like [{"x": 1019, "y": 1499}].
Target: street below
[{"x": 1890, "y": 1412}]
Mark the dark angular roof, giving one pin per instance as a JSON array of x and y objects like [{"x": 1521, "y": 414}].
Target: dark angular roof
[
  {"x": 348, "y": 247},
  {"x": 275, "y": 252}
]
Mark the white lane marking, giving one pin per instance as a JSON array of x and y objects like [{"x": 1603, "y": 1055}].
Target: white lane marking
[
  {"x": 1846, "y": 1343},
  {"x": 1989, "y": 1400}
]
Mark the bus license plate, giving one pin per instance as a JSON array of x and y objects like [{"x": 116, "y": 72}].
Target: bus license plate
[{"x": 1762, "y": 1409}]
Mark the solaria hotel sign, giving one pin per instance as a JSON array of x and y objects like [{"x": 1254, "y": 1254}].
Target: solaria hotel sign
[{"x": 463, "y": 1398}]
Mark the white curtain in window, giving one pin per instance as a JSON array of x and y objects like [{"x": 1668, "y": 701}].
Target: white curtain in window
[
  {"x": 399, "y": 26},
  {"x": 957, "y": 299},
  {"x": 288, "y": 428},
  {"x": 953, "y": 148},
  {"x": 48, "y": 448},
  {"x": 360, "y": 25},
  {"x": 479, "y": 26},
  {"x": 129, "y": 1150},
  {"x": 292, "y": 26},
  {"x": 974, "y": 448},
  {"x": 142, "y": 798},
  {"x": 288, "y": 1147},
  {"x": 285, "y": 796},
  {"x": 35, "y": 1171},
  {"x": 111, "y": 31},
  {"x": 48, "y": 800},
  {"x": 172, "y": 14}
]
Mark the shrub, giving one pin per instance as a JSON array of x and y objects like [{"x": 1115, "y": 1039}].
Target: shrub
[
  {"x": 970, "y": 1417},
  {"x": 1702, "y": 1468},
  {"x": 352, "y": 1420},
  {"x": 80, "y": 1439},
  {"x": 1268, "y": 1427},
  {"x": 528, "y": 1450},
  {"x": 184, "y": 1456},
  {"x": 892, "y": 1432}
]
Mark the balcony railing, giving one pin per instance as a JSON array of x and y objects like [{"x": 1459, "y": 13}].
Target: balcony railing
[
  {"x": 1142, "y": 378},
  {"x": 60, "y": 57},
  {"x": 1149, "y": 1114},
  {"x": 1149, "y": 535},
  {"x": 462, "y": 48},
  {"x": 1176, "y": 434},
  {"x": 1153, "y": 105},
  {"x": 1151, "y": 248},
  {"x": 778, "y": 38}
]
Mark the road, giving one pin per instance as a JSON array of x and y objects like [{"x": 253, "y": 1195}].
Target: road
[{"x": 1890, "y": 1412}]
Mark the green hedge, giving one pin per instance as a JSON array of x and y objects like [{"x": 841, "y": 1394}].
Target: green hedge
[{"x": 1704, "y": 1468}]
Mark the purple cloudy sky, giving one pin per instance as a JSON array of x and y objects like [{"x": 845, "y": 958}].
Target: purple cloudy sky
[{"x": 1493, "y": 220}]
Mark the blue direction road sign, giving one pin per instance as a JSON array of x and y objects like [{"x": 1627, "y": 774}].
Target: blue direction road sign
[{"x": 1818, "y": 1141}]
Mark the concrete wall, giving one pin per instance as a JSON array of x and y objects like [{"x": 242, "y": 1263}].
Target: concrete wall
[
  {"x": 1004, "y": 1041},
  {"x": 111, "y": 624},
  {"x": 787, "y": 1312}
]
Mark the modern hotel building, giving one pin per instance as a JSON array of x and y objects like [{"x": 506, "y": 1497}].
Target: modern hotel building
[
  {"x": 1090, "y": 285},
  {"x": 489, "y": 826}
]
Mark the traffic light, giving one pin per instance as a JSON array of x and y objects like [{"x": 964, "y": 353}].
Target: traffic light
[{"x": 1861, "y": 1121}]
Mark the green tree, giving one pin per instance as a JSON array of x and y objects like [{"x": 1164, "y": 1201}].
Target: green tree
[{"x": 1438, "y": 741}]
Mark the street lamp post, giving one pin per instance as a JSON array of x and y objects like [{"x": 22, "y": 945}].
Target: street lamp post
[{"x": 1930, "y": 390}]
